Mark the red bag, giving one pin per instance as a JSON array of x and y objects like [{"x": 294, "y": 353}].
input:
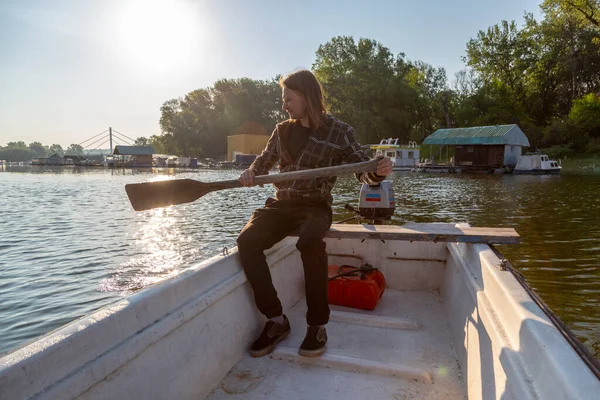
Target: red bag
[{"x": 356, "y": 287}]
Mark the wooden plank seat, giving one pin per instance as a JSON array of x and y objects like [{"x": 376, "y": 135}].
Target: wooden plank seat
[{"x": 424, "y": 233}]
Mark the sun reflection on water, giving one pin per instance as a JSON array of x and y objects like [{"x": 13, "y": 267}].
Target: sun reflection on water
[{"x": 161, "y": 250}]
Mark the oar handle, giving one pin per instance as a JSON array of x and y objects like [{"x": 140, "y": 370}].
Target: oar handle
[{"x": 365, "y": 166}]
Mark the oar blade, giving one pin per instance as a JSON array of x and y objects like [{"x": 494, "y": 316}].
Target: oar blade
[{"x": 148, "y": 195}]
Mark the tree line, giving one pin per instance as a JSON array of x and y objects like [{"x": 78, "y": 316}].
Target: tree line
[
  {"x": 543, "y": 75},
  {"x": 19, "y": 151},
  {"x": 197, "y": 125}
]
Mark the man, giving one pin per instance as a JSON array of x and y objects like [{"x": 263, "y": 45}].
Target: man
[{"x": 309, "y": 139}]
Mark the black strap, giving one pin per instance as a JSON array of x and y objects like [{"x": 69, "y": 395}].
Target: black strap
[{"x": 348, "y": 270}]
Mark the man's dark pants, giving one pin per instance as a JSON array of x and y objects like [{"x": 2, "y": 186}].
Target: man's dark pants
[{"x": 268, "y": 225}]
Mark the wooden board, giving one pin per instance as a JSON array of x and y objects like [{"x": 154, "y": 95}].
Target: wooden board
[{"x": 425, "y": 233}]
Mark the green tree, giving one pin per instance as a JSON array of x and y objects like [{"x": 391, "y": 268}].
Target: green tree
[
  {"x": 532, "y": 74},
  {"x": 433, "y": 101},
  {"x": 17, "y": 145},
  {"x": 16, "y": 153},
  {"x": 141, "y": 141},
  {"x": 245, "y": 103},
  {"x": 586, "y": 114},
  {"x": 56, "y": 149},
  {"x": 74, "y": 150},
  {"x": 586, "y": 12},
  {"x": 162, "y": 144},
  {"x": 173, "y": 123},
  {"x": 364, "y": 85},
  {"x": 38, "y": 149},
  {"x": 199, "y": 123},
  {"x": 564, "y": 65},
  {"x": 469, "y": 98},
  {"x": 501, "y": 54}
]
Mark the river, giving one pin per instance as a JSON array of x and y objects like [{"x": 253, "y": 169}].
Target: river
[{"x": 70, "y": 242}]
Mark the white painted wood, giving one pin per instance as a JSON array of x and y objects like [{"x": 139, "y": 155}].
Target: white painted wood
[{"x": 424, "y": 232}]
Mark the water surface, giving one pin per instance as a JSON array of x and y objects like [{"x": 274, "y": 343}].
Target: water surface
[{"x": 70, "y": 242}]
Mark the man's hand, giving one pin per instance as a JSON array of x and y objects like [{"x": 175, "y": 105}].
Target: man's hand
[
  {"x": 247, "y": 178},
  {"x": 384, "y": 166}
]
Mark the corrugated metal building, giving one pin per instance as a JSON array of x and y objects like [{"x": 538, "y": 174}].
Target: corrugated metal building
[
  {"x": 245, "y": 144},
  {"x": 141, "y": 156},
  {"x": 482, "y": 146}
]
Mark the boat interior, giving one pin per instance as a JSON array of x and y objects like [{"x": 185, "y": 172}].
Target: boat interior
[{"x": 453, "y": 323}]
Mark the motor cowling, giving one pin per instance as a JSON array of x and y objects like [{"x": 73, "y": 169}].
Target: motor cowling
[{"x": 377, "y": 202}]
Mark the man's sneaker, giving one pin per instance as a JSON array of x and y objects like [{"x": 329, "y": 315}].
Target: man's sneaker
[
  {"x": 271, "y": 334},
  {"x": 314, "y": 342}
]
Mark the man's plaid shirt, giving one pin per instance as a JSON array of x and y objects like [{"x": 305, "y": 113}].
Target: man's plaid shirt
[{"x": 334, "y": 144}]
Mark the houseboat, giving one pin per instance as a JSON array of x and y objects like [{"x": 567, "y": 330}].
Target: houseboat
[
  {"x": 477, "y": 149},
  {"x": 403, "y": 157}
]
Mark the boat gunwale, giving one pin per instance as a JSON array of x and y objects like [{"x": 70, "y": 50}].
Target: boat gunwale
[
  {"x": 500, "y": 299},
  {"x": 75, "y": 333}
]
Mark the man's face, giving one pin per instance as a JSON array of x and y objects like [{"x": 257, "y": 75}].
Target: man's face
[{"x": 293, "y": 103}]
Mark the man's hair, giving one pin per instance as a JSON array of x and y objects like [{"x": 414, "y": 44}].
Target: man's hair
[{"x": 305, "y": 83}]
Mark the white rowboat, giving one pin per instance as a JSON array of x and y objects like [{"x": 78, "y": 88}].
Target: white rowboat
[{"x": 453, "y": 323}]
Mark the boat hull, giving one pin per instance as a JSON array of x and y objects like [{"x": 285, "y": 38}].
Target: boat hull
[
  {"x": 477, "y": 332},
  {"x": 554, "y": 171}
]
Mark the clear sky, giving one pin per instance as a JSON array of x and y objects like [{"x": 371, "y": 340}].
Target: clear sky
[{"x": 70, "y": 69}]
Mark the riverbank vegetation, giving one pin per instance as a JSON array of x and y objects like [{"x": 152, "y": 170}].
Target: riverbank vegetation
[
  {"x": 541, "y": 74},
  {"x": 20, "y": 151}
]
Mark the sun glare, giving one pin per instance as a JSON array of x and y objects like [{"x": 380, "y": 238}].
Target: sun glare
[{"x": 158, "y": 36}]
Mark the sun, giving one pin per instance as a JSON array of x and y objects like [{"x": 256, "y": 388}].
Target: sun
[{"x": 158, "y": 36}]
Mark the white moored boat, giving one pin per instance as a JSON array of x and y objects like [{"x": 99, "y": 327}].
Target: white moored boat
[
  {"x": 537, "y": 164},
  {"x": 453, "y": 323},
  {"x": 403, "y": 157}
]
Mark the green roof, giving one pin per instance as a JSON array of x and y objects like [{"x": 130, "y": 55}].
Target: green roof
[
  {"x": 134, "y": 150},
  {"x": 485, "y": 135}
]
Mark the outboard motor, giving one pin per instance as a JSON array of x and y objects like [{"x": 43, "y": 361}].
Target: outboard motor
[{"x": 376, "y": 203}]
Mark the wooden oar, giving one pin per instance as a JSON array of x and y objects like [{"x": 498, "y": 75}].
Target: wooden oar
[{"x": 147, "y": 195}]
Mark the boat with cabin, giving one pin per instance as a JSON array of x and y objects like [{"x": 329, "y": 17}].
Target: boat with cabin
[
  {"x": 455, "y": 322},
  {"x": 403, "y": 157},
  {"x": 110, "y": 161},
  {"x": 171, "y": 162},
  {"x": 537, "y": 164}
]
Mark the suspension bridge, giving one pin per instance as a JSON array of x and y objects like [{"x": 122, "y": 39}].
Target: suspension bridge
[{"x": 109, "y": 136}]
